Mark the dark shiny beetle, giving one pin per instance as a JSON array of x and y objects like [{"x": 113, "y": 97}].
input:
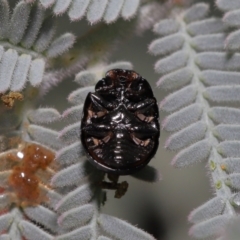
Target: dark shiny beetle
[{"x": 120, "y": 128}]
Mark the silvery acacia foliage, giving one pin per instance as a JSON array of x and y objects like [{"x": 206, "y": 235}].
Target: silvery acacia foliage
[
  {"x": 18, "y": 222},
  {"x": 107, "y": 10},
  {"x": 194, "y": 65},
  {"x": 27, "y": 43},
  {"x": 28, "y": 52},
  {"x": 78, "y": 211},
  {"x": 232, "y": 20},
  {"x": 204, "y": 80}
]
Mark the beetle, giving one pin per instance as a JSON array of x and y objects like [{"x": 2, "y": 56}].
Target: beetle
[{"x": 120, "y": 123}]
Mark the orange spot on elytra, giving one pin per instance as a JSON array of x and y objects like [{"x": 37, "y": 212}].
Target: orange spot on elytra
[{"x": 23, "y": 180}]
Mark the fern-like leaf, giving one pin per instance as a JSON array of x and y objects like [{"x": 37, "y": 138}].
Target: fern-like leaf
[
  {"x": 37, "y": 221},
  {"x": 26, "y": 45},
  {"x": 95, "y": 11},
  {"x": 231, "y": 19},
  {"x": 200, "y": 73},
  {"x": 119, "y": 229}
]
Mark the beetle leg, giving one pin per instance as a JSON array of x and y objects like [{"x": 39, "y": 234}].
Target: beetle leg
[
  {"x": 144, "y": 118},
  {"x": 102, "y": 141},
  {"x": 97, "y": 130},
  {"x": 142, "y": 143},
  {"x": 97, "y": 114},
  {"x": 97, "y": 106},
  {"x": 121, "y": 188},
  {"x": 107, "y": 138},
  {"x": 113, "y": 177},
  {"x": 144, "y": 110},
  {"x": 139, "y": 88},
  {"x": 143, "y": 131},
  {"x": 143, "y": 105},
  {"x": 99, "y": 102}
]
